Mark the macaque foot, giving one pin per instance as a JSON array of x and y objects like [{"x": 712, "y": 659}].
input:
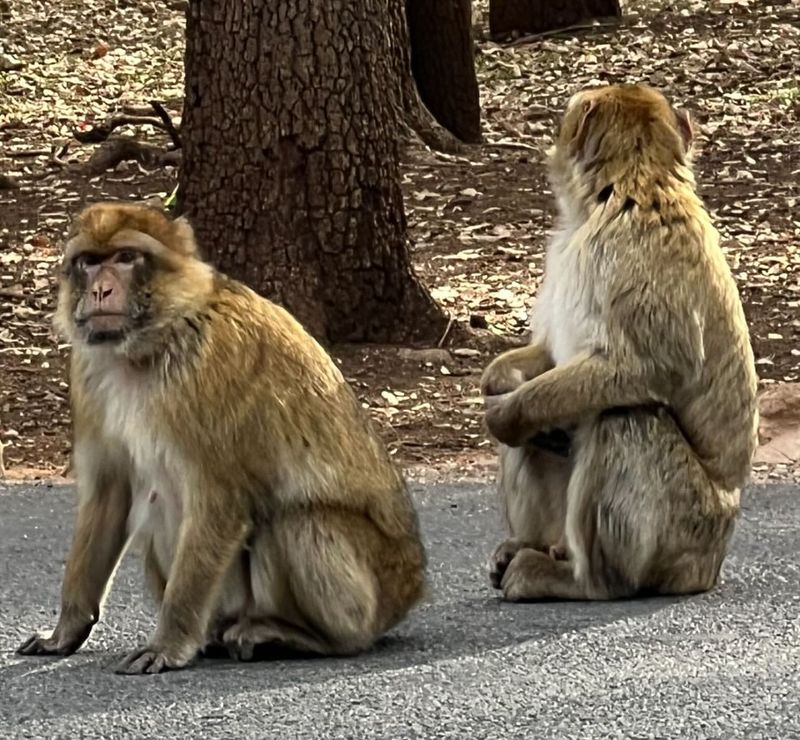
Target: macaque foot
[
  {"x": 534, "y": 575},
  {"x": 251, "y": 640},
  {"x": 507, "y": 551},
  {"x": 501, "y": 558},
  {"x": 148, "y": 660}
]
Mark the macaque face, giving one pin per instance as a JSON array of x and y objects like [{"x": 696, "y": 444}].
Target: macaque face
[
  {"x": 128, "y": 273},
  {"x": 109, "y": 293}
]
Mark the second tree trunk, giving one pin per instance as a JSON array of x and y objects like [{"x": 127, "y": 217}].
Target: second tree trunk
[{"x": 443, "y": 62}]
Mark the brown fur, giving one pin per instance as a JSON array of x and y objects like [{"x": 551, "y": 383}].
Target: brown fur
[
  {"x": 642, "y": 352},
  {"x": 224, "y": 440}
]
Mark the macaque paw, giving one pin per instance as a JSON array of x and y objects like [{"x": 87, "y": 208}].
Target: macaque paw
[
  {"x": 53, "y": 645},
  {"x": 493, "y": 402},
  {"x": 559, "y": 551},
  {"x": 500, "y": 378},
  {"x": 38, "y": 645},
  {"x": 148, "y": 660},
  {"x": 503, "y": 419},
  {"x": 501, "y": 558}
]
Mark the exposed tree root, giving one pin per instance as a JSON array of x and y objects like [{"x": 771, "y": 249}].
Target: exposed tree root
[
  {"x": 422, "y": 124},
  {"x": 120, "y": 149},
  {"x": 103, "y": 131}
]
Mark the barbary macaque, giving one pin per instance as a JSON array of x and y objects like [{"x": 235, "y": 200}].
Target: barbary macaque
[
  {"x": 218, "y": 437},
  {"x": 640, "y": 362}
]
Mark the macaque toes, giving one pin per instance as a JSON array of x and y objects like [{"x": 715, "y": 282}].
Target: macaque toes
[
  {"x": 220, "y": 438},
  {"x": 628, "y": 426}
]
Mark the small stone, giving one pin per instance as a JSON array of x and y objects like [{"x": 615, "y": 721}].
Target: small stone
[
  {"x": 466, "y": 352},
  {"x": 432, "y": 356}
]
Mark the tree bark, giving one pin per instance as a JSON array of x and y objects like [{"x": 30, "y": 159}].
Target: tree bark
[
  {"x": 290, "y": 173},
  {"x": 443, "y": 64},
  {"x": 537, "y": 16}
]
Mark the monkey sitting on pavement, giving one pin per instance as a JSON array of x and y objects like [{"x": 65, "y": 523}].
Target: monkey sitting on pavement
[
  {"x": 640, "y": 360},
  {"x": 214, "y": 432}
]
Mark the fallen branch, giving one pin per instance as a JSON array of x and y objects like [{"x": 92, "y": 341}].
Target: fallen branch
[
  {"x": 57, "y": 155},
  {"x": 121, "y": 149},
  {"x": 28, "y": 153},
  {"x": 29, "y": 298},
  {"x": 566, "y": 29},
  {"x": 102, "y": 131},
  {"x": 449, "y": 326},
  {"x": 511, "y": 145},
  {"x": 168, "y": 124}
]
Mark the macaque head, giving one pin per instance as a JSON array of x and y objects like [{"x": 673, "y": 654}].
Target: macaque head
[
  {"x": 608, "y": 132},
  {"x": 127, "y": 270}
]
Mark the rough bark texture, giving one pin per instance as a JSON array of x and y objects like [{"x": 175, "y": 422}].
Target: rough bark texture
[
  {"x": 290, "y": 174},
  {"x": 443, "y": 64},
  {"x": 537, "y": 16}
]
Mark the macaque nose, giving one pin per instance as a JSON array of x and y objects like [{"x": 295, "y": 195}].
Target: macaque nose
[{"x": 101, "y": 291}]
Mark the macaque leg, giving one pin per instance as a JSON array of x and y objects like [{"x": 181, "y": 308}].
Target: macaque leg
[
  {"x": 97, "y": 544},
  {"x": 533, "y": 483},
  {"x": 207, "y": 546},
  {"x": 642, "y": 517},
  {"x": 314, "y": 590}
]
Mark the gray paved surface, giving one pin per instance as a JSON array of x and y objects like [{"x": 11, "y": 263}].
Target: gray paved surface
[{"x": 722, "y": 665}]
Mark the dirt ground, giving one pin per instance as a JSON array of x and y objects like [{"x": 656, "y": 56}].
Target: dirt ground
[{"x": 478, "y": 221}]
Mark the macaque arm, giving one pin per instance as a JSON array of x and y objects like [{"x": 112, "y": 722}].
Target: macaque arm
[
  {"x": 531, "y": 361},
  {"x": 209, "y": 540},
  {"x": 509, "y": 370},
  {"x": 98, "y": 541},
  {"x": 655, "y": 353},
  {"x": 566, "y": 395}
]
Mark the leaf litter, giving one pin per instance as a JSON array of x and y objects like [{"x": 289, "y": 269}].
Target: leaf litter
[{"x": 478, "y": 220}]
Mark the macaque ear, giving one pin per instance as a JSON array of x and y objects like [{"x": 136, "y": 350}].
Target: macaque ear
[
  {"x": 685, "y": 127},
  {"x": 587, "y": 111},
  {"x": 184, "y": 236}
]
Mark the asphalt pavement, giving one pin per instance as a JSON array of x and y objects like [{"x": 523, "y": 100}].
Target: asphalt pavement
[{"x": 465, "y": 665}]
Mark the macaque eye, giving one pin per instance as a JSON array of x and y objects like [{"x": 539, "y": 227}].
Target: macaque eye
[
  {"x": 127, "y": 256},
  {"x": 87, "y": 259}
]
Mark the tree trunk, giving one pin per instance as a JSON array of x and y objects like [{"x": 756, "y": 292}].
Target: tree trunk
[
  {"x": 537, "y": 16},
  {"x": 443, "y": 64},
  {"x": 290, "y": 173},
  {"x": 417, "y": 120}
]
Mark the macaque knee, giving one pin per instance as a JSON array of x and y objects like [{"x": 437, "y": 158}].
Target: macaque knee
[{"x": 335, "y": 590}]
